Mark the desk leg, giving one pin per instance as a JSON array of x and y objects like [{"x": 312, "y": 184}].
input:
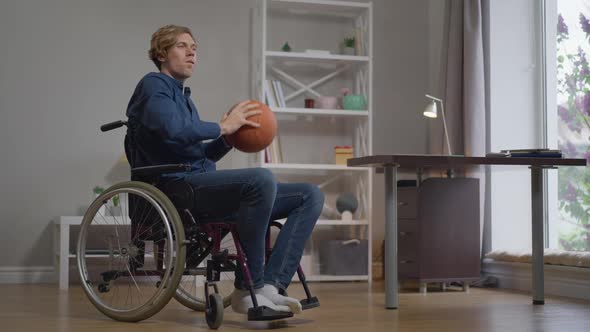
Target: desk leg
[
  {"x": 537, "y": 232},
  {"x": 391, "y": 277}
]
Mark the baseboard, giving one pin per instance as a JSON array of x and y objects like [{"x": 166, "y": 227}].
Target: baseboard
[
  {"x": 560, "y": 280},
  {"x": 26, "y": 274}
]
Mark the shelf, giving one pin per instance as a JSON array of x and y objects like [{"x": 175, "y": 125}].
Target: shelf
[
  {"x": 320, "y": 7},
  {"x": 315, "y": 57},
  {"x": 105, "y": 220},
  {"x": 319, "y": 167},
  {"x": 89, "y": 255},
  {"x": 336, "y": 222},
  {"x": 320, "y": 112}
]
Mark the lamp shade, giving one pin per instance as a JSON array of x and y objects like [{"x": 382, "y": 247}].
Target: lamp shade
[{"x": 430, "y": 111}]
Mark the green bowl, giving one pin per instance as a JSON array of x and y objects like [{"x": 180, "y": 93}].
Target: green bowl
[{"x": 354, "y": 102}]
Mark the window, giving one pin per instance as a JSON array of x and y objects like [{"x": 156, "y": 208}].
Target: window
[{"x": 568, "y": 128}]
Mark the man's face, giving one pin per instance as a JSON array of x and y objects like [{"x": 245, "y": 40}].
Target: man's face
[{"x": 181, "y": 58}]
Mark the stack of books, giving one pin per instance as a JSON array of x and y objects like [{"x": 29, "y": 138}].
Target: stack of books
[
  {"x": 273, "y": 153},
  {"x": 527, "y": 153},
  {"x": 273, "y": 94}
]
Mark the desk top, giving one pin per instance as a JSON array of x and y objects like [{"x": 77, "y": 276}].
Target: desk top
[{"x": 442, "y": 161}]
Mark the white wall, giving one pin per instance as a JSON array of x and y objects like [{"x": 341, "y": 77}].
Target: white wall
[
  {"x": 401, "y": 78},
  {"x": 68, "y": 66},
  {"x": 515, "y": 112}
]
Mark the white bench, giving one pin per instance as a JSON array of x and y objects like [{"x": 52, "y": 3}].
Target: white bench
[{"x": 62, "y": 250}]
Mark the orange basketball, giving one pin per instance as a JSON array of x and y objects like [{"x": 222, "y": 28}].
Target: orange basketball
[{"x": 250, "y": 139}]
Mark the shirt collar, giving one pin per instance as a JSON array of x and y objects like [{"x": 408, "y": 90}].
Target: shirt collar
[{"x": 172, "y": 80}]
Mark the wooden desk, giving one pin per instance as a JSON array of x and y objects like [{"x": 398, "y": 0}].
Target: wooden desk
[{"x": 391, "y": 163}]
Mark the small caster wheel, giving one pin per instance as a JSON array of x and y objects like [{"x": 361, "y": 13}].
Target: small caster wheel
[
  {"x": 214, "y": 313},
  {"x": 103, "y": 288}
]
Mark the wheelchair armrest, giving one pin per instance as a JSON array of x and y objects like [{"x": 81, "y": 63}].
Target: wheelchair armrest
[{"x": 151, "y": 171}]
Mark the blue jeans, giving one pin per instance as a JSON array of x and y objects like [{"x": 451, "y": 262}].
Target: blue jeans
[{"x": 255, "y": 198}]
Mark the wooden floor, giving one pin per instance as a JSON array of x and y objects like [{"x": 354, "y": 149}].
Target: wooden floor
[{"x": 344, "y": 307}]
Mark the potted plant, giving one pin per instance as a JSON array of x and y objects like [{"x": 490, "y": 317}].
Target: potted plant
[
  {"x": 348, "y": 46},
  {"x": 97, "y": 191},
  {"x": 115, "y": 208}
]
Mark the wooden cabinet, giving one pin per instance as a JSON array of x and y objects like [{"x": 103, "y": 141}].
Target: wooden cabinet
[{"x": 438, "y": 231}]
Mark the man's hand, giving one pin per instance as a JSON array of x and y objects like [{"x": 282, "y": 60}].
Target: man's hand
[{"x": 238, "y": 116}]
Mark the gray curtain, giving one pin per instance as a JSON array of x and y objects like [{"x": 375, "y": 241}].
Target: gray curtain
[{"x": 463, "y": 87}]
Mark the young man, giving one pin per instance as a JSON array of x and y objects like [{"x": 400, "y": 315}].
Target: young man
[{"x": 167, "y": 130}]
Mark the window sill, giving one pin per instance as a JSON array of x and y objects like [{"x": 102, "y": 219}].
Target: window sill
[{"x": 560, "y": 280}]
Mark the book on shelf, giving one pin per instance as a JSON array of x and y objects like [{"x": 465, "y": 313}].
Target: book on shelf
[
  {"x": 279, "y": 150},
  {"x": 273, "y": 153},
  {"x": 527, "y": 153},
  {"x": 273, "y": 94},
  {"x": 281, "y": 95},
  {"x": 270, "y": 98},
  {"x": 278, "y": 93},
  {"x": 531, "y": 151},
  {"x": 267, "y": 155},
  {"x": 497, "y": 155},
  {"x": 358, "y": 41}
]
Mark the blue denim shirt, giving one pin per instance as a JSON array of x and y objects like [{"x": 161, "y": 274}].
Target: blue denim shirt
[{"x": 164, "y": 127}]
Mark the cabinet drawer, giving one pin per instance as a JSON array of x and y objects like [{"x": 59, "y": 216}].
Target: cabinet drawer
[
  {"x": 408, "y": 268},
  {"x": 407, "y": 225},
  {"x": 408, "y": 245},
  {"x": 406, "y": 203}
]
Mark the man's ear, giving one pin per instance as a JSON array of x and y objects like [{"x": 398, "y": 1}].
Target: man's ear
[{"x": 162, "y": 57}]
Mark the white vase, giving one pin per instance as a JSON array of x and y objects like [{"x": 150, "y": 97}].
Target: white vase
[{"x": 348, "y": 51}]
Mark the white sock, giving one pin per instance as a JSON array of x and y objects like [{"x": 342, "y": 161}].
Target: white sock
[
  {"x": 272, "y": 293},
  {"x": 241, "y": 301}
]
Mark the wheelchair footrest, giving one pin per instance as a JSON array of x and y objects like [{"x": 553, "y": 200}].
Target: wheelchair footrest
[
  {"x": 266, "y": 313},
  {"x": 310, "y": 303}
]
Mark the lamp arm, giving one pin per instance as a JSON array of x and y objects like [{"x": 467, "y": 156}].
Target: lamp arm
[
  {"x": 434, "y": 98},
  {"x": 442, "y": 106}
]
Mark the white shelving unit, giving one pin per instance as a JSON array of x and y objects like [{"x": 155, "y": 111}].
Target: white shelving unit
[
  {"x": 61, "y": 241},
  {"x": 320, "y": 112},
  {"x": 311, "y": 57},
  {"x": 307, "y": 136}
]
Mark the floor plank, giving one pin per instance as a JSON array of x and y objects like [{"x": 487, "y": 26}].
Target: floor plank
[{"x": 344, "y": 307}]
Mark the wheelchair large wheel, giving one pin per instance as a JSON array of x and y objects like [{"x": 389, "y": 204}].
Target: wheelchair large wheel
[
  {"x": 142, "y": 248},
  {"x": 191, "y": 292}
]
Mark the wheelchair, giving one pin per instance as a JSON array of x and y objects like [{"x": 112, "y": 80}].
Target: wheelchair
[{"x": 156, "y": 250}]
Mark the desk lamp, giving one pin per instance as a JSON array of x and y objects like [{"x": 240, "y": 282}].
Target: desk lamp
[{"x": 431, "y": 112}]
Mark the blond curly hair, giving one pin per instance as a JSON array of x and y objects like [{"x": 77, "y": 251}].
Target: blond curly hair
[{"x": 163, "y": 39}]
